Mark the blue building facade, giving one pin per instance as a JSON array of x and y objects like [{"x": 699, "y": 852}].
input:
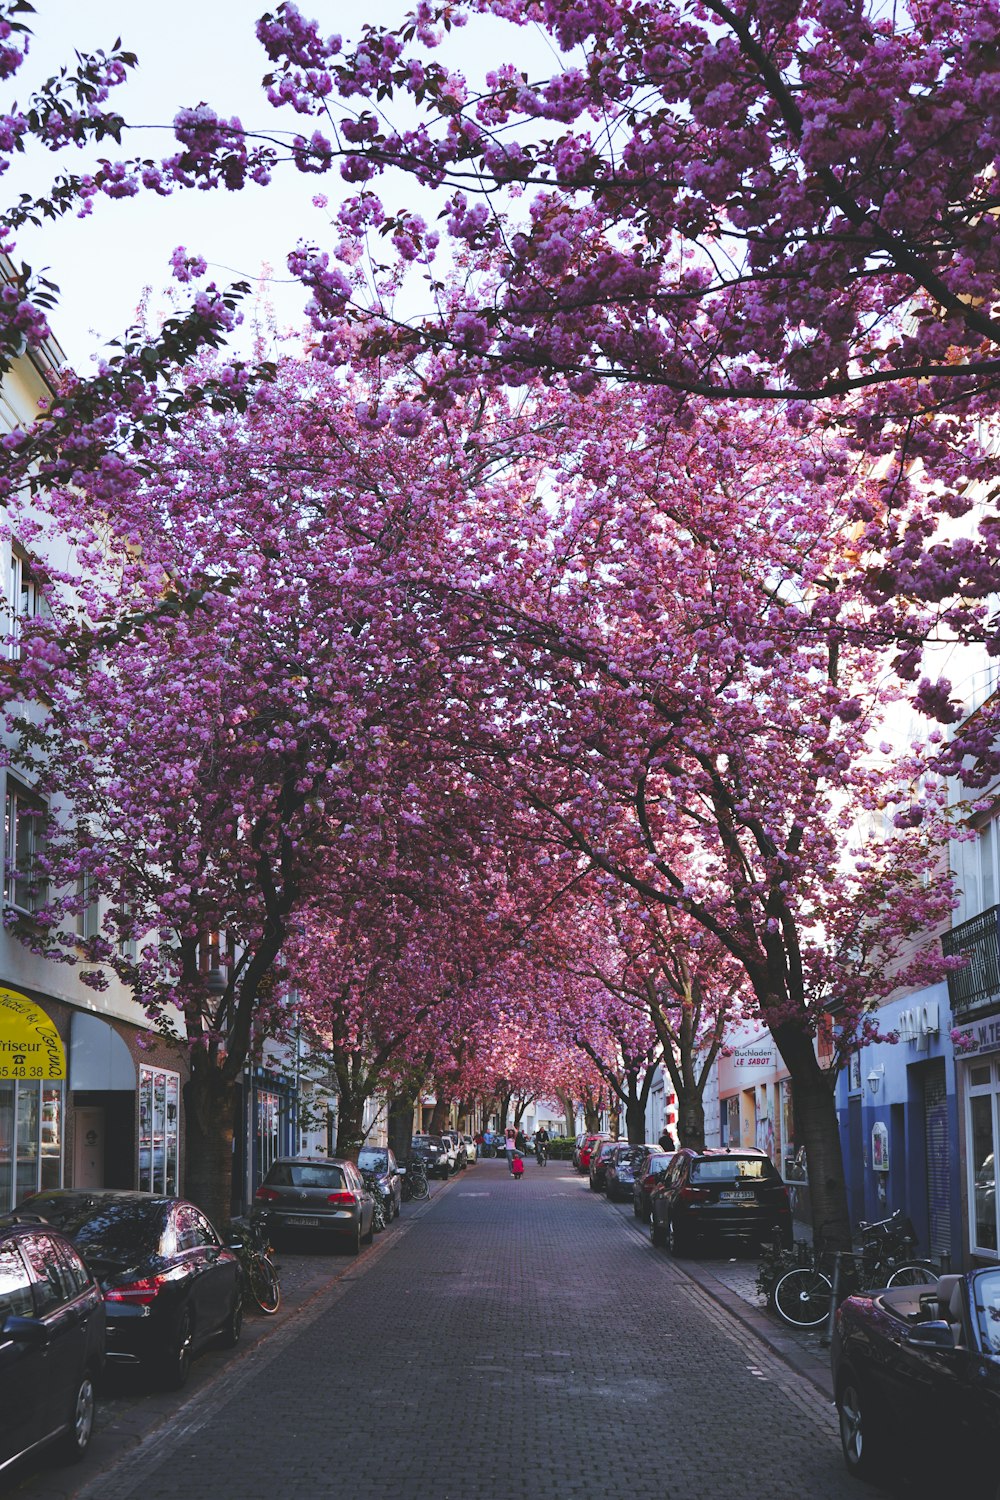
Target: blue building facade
[{"x": 901, "y": 1126}]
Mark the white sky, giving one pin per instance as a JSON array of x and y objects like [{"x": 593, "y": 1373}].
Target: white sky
[{"x": 189, "y": 50}]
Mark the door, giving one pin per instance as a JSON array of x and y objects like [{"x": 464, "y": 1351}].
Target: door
[
  {"x": 88, "y": 1148},
  {"x": 856, "y": 1152},
  {"x": 938, "y": 1172},
  {"x": 21, "y": 1365}
]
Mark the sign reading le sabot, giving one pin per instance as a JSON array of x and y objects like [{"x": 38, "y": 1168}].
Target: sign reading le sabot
[{"x": 30, "y": 1047}]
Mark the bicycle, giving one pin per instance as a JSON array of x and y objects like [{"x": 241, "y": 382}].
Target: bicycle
[
  {"x": 414, "y": 1180},
  {"x": 541, "y": 1153},
  {"x": 382, "y": 1211},
  {"x": 803, "y": 1296},
  {"x": 250, "y": 1244}
]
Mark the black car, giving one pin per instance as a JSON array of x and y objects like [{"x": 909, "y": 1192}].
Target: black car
[
  {"x": 720, "y": 1194},
  {"x": 319, "y": 1196},
  {"x": 916, "y": 1375},
  {"x": 169, "y": 1283},
  {"x": 433, "y": 1153},
  {"x": 598, "y": 1165},
  {"x": 381, "y": 1165},
  {"x": 52, "y": 1342},
  {"x": 651, "y": 1168},
  {"x": 619, "y": 1174}
]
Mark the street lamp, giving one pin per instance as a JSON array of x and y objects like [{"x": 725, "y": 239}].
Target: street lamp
[{"x": 875, "y": 1078}]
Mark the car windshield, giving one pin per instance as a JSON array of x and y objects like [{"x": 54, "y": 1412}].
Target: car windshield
[
  {"x": 373, "y": 1160},
  {"x": 302, "y": 1174},
  {"x": 433, "y": 1141},
  {"x": 987, "y": 1297},
  {"x": 106, "y": 1228},
  {"x": 729, "y": 1168}
]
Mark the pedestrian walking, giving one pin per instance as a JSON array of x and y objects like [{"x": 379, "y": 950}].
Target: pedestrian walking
[
  {"x": 666, "y": 1141},
  {"x": 510, "y": 1146}
]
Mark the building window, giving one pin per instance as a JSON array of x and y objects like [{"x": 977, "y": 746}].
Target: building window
[
  {"x": 269, "y": 1130},
  {"x": 25, "y": 597},
  {"x": 983, "y": 1136},
  {"x": 25, "y": 885},
  {"x": 31, "y": 1139},
  {"x": 88, "y": 923},
  {"x": 159, "y": 1124}
]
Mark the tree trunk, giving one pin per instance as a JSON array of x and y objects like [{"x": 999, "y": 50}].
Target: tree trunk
[
  {"x": 591, "y": 1117},
  {"x": 350, "y": 1129},
  {"x": 635, "y": 1122},
  {"x": 439, "y": 1119},
  {"x": 209, "y": 1108},
  {"x": 818, "y": 1129},
  {"x": 691, "y": 1119},
  {"x": 400, "y": 1125},
  {"x": 569, "y": 1115}
]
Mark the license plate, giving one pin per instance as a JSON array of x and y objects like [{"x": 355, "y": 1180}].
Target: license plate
[
  {"x": 305, "y": 1220},
  {"x": 738, "y": 1197}
]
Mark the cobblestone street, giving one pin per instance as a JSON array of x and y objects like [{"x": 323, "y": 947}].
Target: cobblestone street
[{"x": 516, "y": 1340}]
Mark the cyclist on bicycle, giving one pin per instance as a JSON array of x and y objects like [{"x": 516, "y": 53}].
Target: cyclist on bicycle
[{"x": 541, "y": 1144}]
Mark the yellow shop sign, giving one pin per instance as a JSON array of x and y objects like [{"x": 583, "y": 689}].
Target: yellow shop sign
[{"x": 30, "y": 1047}]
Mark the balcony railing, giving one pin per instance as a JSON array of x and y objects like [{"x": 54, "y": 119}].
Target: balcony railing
[{"x": 974, "y": 990}]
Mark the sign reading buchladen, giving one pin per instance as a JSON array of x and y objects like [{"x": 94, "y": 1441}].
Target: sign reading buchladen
[{"x": 30, "y": 1047}]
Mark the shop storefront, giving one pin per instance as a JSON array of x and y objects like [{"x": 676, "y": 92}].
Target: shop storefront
[{"x": 32, "y": 1099}]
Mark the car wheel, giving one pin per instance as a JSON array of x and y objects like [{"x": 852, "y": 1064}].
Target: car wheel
[
  {"x": 81, "y": 1422},
  {"x": 659, "y": 1239},
  {"x": 858, "y": 1439},
  {"x": 677, "y": 1242},
  {"x": 233, "y": 1326},
  {"x": 354, "y": 1243},
  {"x": 371, "y": 1229},
  {"x": 177, "y": 1363}
]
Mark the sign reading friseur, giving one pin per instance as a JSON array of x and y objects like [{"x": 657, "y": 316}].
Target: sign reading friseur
[{"x": 30, "y": 1046}]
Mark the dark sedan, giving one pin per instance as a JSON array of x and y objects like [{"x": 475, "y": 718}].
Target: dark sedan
[
  {"x": 619, "y": 1175},
  {"x": 433, "y": 1153},
  {"x": 649, "y": 1170},
  {"x": 321, "y": 1196},
  {"x": 382, "y": 1167},
  {"x": 916, "y": 1373},
  {"x": 720, "y": 1194},
  {"x": 52, "y": 1342},
  {"x": 169, "y": 1283},
  {"x": 598, "y": 1164}
]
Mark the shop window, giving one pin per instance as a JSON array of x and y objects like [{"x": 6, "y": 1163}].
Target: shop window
[
  {"x": 983, "y": 1102},
  {"x": 25, "y": 886},
  {"x": 269, "y": 1130},
  {"x": 159, "y": 1124},
  {"x": 31, "y": 1139}
]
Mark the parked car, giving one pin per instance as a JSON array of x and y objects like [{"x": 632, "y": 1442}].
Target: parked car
[
  {"x": 52, "y": 1343},
  {"x": 318, "y": 1195},
  {"x": 382, "y": 1164},
  {"x": 577, "y": 1144},
  {"x": 720, "y": 1194},
  {"x": 433, "y": 1153},
  {"x": 471, "y": 1150},
  {"x": 649, "y": 1170},
  {"x": 619, "y": 1175},
  {"x": 458, "y": 1149},
  {"x": 916, "y": 1376},
  {"x": 599, "y": 1158},
  {"x": 168, "y": 1281},
  {"x": 585, "y": 1148}
]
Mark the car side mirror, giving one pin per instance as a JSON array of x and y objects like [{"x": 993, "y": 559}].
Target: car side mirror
[
  {"x": 935, "y": 1335},
  {"x": 31, "y": 1331}
]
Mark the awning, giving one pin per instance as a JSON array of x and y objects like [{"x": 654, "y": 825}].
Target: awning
[{"x": 30, "y": 1047}]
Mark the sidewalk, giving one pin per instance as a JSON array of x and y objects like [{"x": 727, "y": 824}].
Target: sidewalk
[{"x": 732, "y": 1283}]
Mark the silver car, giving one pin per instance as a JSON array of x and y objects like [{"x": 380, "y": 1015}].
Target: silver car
[
  {"x": 471, "y": 1149},
  {"x": 318, "y": 1195}
]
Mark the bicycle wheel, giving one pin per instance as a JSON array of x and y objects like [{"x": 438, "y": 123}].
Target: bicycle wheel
[
  {"x": 264, "y": 1288},
  {"x": 418, "y": 1187},
  {"x": 914, "y": 1273},
  {"x": 802, "y": 1297}
]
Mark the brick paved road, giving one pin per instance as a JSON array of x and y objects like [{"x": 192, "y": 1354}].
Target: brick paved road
[{"x": 510, "y": 1345}]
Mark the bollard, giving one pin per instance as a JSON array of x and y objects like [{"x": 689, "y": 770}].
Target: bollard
[{"x": 827, "y": 1338}]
